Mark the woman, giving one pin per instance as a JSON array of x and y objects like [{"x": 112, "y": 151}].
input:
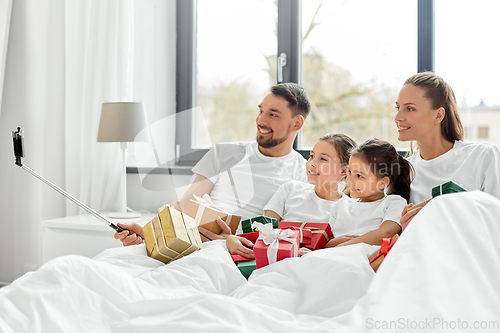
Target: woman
[{"x": 427, "y": 113}]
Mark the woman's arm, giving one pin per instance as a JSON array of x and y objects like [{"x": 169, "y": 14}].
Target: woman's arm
[
  {"x": 387, "y": 229},
  {"x": 270, "y": 213}
]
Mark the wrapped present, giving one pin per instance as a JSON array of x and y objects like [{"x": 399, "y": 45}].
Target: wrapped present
[
  {"x": 321, "y": 233},
  {"x": 449, "y": 187},
  {"x": 379, "y": 256},
  {"x": 246, "y": 225},
  {"x": 305, "y": 234},
  {"x": 171, "y": 235},
  {"x": 274, "y": 244},
  {"x": 251, "y": 236},
  {"x": 205, "y": 213},
  {"x": 246, "y": 267}
]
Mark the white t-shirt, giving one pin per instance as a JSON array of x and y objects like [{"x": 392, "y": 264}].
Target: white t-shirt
[
  {"x": 297, "y": 201},
  {"x": 244, "y": 178},
  {"x": 353, "y": 217},
  {"x": 474, "y": 166}
]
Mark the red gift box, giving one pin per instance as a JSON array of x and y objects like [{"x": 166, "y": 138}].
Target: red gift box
[
  {"x": 305, "y": 235},
  {"x": 251, "y": 236},
  {"x": 321, "y": 232},
  {"x": 268, "y": 250}
]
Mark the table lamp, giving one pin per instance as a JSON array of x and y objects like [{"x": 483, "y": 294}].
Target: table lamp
[{"x": 121, "y": 122}]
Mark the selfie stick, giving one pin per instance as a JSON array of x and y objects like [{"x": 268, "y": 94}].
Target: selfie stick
[{"x": 18, "y": 138}]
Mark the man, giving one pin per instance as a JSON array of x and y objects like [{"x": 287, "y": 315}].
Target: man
[{"x": 244, "y": 175}]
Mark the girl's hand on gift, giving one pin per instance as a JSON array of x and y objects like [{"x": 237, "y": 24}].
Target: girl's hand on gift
[
  {"x": 337, "y": 241},
  {"x": 303, "y": 250},
  {"x": 240, "y": 245},
  {"x": 207, "y": 235},
  {"x": 131, "y": 234},
  {"x": 407, "y": 216}
]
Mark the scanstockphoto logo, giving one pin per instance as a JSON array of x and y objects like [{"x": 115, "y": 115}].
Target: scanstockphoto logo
[{"x": 432, "y": 324}]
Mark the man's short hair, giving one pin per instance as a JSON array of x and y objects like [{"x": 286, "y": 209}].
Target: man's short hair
[{"x": 296, "y": 96}]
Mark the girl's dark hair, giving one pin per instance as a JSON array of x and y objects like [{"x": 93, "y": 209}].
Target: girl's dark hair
[
  {"x": 343, "y": 145},
  {"x": 385, "y": 161}
]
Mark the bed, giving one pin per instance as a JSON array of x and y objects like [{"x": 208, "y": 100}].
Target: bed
[{"x": 443, "y": 273}]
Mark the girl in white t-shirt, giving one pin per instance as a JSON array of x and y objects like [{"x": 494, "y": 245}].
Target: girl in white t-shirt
[
  {"x": 379, "y": 180},
  {"x": 296, "y": 201}
]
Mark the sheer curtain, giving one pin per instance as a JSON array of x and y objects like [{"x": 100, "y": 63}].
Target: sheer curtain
[{"x": 64, "y": 59}]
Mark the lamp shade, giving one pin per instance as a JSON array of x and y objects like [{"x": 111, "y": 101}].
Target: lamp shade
[{"x": 122, "y": 121}]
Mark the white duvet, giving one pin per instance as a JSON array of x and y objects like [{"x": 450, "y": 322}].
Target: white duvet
[{"x": 443, "y": 273}]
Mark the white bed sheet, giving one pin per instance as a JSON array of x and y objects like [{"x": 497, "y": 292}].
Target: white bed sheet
[{"x": 444, "y": 269}]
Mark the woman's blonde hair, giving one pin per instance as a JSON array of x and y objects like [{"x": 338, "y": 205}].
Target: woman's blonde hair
[{"x": 440, "y": 94}]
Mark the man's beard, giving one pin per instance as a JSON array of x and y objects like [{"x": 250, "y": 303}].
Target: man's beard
[{"x": 270, "y": 143}]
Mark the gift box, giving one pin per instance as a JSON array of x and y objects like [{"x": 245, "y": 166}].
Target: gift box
[
  {"x": 246, "y": 267},
  {"x": 251, "y": 236},
  {"x": 379, "y": 256},
  {"x": 321, "y": 233},
  {"x": 246, "y": 225},
  {"x": 446, "y": 188},
  {"x": 305, "y": 234},
  {"x": 449, "y": 187},
  {"x": 274, "y": 244},
  {"x": 171, "y": 235},
  {"x": 205, "y": 213}
]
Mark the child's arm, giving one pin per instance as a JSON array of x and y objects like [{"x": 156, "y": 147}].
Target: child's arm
[
  {"x": 387, "y": 229},
  {"x": 240, "y": 245},
  {"x": 339, "y": 240},
  {"x": 270, "y": 213}
]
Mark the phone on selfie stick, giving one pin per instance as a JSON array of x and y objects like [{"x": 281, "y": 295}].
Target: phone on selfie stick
[{"x": 18, "y": 139}]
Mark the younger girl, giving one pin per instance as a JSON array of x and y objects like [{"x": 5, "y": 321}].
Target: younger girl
[
  {"x": 297, "y": 201},
  {"x": 379, "y": 179}
]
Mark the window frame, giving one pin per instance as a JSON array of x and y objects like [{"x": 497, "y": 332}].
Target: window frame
[{"x": 289, "y": 34}]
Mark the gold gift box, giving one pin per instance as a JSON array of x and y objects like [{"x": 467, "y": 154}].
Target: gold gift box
[
  {"x": 171, "y": 235},
  {"x": 208, "y": 217}
]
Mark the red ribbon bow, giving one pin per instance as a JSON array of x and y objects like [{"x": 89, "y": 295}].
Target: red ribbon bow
[{"x": 384, "y": 248}]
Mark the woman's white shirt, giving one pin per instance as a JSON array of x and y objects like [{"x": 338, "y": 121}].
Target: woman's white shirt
[
  {"x": 474, "y": 166},
  {"x": 353, "y": 217},
  {"x": 296, "y": 201}
]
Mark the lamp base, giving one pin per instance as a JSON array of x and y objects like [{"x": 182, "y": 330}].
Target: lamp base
[{"x": 122, "y": 215}]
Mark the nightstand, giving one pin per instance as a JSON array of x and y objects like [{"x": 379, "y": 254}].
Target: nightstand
[{"x": 81, "y": 234}]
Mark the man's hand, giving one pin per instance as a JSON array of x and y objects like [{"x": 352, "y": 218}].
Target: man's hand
[
  {"x": 407, "y": 216},
  {"x": 240, "y": 245},
  {"x": 131, "y": 234},
  {"x": 207, "y": 235}
]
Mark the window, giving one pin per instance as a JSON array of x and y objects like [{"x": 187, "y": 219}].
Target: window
[
  {"x": 354, "y": 63},
  {"x": 351, "y": 56},
  {"x": 467, "y": 56},
  {"x": 483, "y": 132}
]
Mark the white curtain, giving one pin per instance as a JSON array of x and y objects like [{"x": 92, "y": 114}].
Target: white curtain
[{"x": 64, "y": 59}]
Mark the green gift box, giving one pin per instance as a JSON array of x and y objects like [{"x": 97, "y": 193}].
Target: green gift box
[
  {"x": 246, "y": 267},
  {"x": 246, "y": 225},
  {"x": 449, "y": 187}
]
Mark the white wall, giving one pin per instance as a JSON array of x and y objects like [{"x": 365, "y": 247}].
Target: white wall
[{"x": 20, "y": 239}]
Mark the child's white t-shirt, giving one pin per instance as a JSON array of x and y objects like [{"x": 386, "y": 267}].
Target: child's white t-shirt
[
  {"x": 474, "y": 166},
  {"x": 353, "y": 217},
  {"x": 297, "y": 201},
  {"x": 244, "y": 178}
]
